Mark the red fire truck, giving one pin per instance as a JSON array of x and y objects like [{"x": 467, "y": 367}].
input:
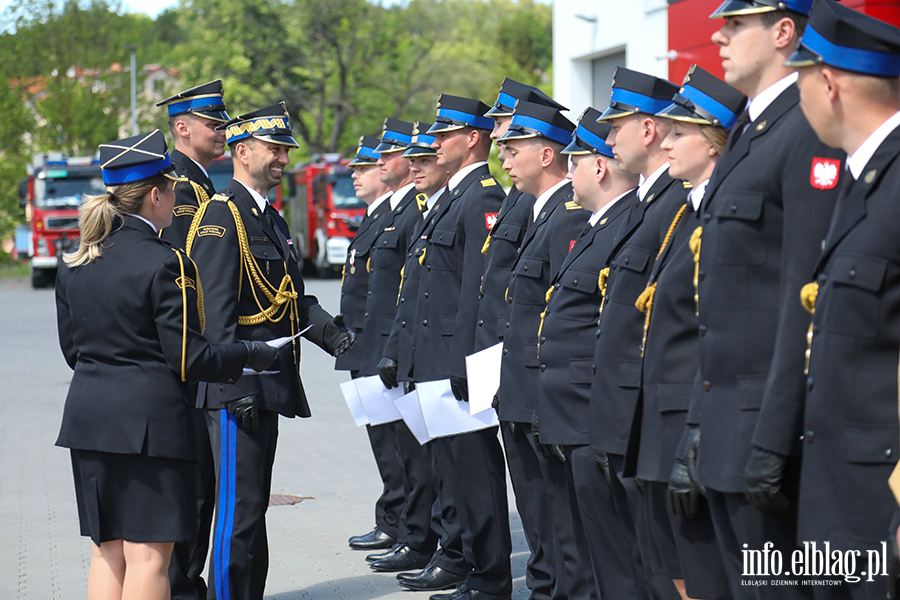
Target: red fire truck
[
  {"x": 324, "y": 211},
  {"x": 51, "y": 195}
]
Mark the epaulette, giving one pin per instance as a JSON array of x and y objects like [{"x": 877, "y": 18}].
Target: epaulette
[
  {"x": 221, "y": 197},
  {"x": 572, "y": 205},
  {"x": 488, "y": 181}
]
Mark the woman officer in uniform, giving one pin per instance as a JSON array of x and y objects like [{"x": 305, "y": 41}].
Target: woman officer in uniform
[{"x": 130, "y": 317}]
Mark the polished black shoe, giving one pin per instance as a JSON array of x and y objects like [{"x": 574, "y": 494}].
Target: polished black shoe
[
  {"x": 462, "y": 589},
  {"x": 431, "y": 579},
  {"x": 374, "y": 540},
  {"x": 380, "y": 555},
  {"x": 354, "y": 538},
  {"x": 404, "y": 559},
  {"x": 471, "y": 594}
]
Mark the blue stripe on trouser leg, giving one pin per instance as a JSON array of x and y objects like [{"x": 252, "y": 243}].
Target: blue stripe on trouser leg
[{"x": 225, "y": 516}]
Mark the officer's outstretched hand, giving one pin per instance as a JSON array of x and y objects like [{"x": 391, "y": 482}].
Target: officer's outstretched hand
[
  {"x": 260, "y": 355},
  {"x": 337, "y": 337},
  {"x": 683, "y": 495},
  {"x": 601, "y": 462},
  {"x": 387, "y": 370},
  {"x": 764, "y": 473},
  {"x": 246, "y": 410},
  {"x": 460, "y": 388}
]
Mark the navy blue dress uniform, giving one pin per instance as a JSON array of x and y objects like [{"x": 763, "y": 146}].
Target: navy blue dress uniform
[
  {"x": 615, "y": 388},
  {"x": 471, "y": 464},
  {"x": 194, "y": 186},
  {"x": 565, "y": 350},
  {"x": 354, "y": 294},
  {"x": 256, "y": 293},
  {"x": 500, "y": 251},
  {"x": 851, "y": 436},
  {"x": 395, "y": 232},
  {"x": 671, "y": 357},
  {"x": 763, "y": 217},
  {"x": 547, "y": 241},
  {"x": 127, "y": 413}
]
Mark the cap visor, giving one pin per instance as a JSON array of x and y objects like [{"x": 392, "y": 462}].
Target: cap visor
[
  {"x": 213, "y": 115},
  {"x": 417, "y": 151},
  {"x": 445, "y": 127},
  {"x": 734, "y": 8},
  {"x": 574, "y": 148},
  {"x": 615, "y": 113},
  {"x": 515, "y": 134},
  {"x": 359, "y": 162},
  {"x": 385, "y": 148},
  {"x": 498, "y": 112},
  {"x": 284, "y": 140},
  {"x": 803, "y": 57},
  {"x": 676, "y": 112}
]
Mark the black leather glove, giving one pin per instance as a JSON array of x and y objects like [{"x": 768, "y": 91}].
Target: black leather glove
[
  {"x": 601, "y": 462},
  {"x": 549, "y": 450},
  {"x": 387, "y": 370},
  {"x": 683, "y": 494},
  {"x": 764, "y": 473},
  {"x": 260, "y": 355},
  {"x": 246, "y": 410},
  {"x": 495, "y": 404},
  {"x": 460, "y": 387},
  {"x": 408, "y": 386},
  {"x": 337, "y": 337}
]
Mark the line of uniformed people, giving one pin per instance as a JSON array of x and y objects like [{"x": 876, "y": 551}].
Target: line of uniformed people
[{"x": 667, "y": 409}]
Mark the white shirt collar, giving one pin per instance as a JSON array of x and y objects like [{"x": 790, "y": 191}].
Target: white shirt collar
[
  {"x": 377, "y": 202},
  {"x": 261, "y": 201},
  {"x": 401, "y": 194},
  {"x": 431, "y": 200},
  {"x": 457, "y": 177},
  {"x": 147, "y": 222},
  {"x": 597, "y": 215},
  {"x": 646, "y": 184},
  {"x": 857, "y": 161},
  {"x": 697, "y": 193},
  {"x": 205, "y": 172},
  {"x": 762, "y": 101},
  {"x": 542, "y": 199}
]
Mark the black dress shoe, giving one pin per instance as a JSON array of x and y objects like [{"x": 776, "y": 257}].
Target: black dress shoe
[
  {"x": 379, "y": 555},
  {"x": 354, "y": 538},
  {"x": 431, "y": 580},
  {"x": 404, "y": 559},
  {"x": 374, "y": 540},
  {"x": 471, "y": 594},
  {"x": 462, "y": 589}
]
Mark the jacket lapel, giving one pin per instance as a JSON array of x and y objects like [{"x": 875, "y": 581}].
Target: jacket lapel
[{"x": 553, "y": 204}]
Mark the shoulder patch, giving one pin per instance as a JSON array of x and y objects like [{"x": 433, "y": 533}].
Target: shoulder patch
[
  {"x": 825, "y": 172},
  {"x": 185, "y": 281},
  {"x": 489, "y": 220},
  {"x": 184, "y": 210},
  {"x": 488, "y": 182},
  {"x": 205, "y": 230},
  {"x": 572, "y": 205}
]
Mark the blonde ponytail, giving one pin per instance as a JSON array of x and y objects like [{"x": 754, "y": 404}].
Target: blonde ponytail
[{"x": 95, "y": 217}]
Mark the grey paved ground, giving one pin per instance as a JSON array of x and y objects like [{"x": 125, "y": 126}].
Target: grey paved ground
[{"x": 326, "y": 458}]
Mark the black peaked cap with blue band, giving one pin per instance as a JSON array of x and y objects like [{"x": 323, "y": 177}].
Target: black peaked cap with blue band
[
  {"x": 270, "y": 124},
  {"x": 512, "y": 91},
  {"x": 365, "y": 153},
  {"x": 395, "y": 136},
  {"x": 421, "y": 141},
  {"x": 456, "y": 112},
  {"x": 206, "y": 100},
  {"x": 634, "y": 92},
  {"x": 735, "y": 8},
  {"x": 135, "y": 158},
  {"x": 590, "y": 135},
  {"x": 706, "y": 100},
  {"x": 841, "y": 37},
  {"x": 536, "y": 120}
]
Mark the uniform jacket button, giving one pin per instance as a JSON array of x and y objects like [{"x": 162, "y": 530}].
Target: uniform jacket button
[
  {"x": 426, "y": 295},
  {"x": 810, "y": 382},
  {"x": 733, "y": 208},
  {"x": 525, "y": 268},
  {"x": 543, "y": 339},
  {"x": 888, "y": 453},
  {"x": 507, "y": 324},
  {"x": 220, "y": 387},
  {"x": 701, "y": 275},
  {"x": 543, "y": 368},
  {"x": 822, "y": 278},
  {"x": 505, "y": 352},
  {"x": 403, "y": 324},
  {"x": 480, "y": 322},
  {"x": 627, "y": 260},
  {"x": 369, "y": 293},
  {"x": 707, "y": 217},
  {"x": 366, "y": 315},
  {"x": 809, "y": 437},
  {"x": 852, "y": 273},
  {"x": 594, "y": 369},
  {"x": 425, "y": 323},
  {"x": 702, "y": 330},
  {"x": 706, "y": 386}
]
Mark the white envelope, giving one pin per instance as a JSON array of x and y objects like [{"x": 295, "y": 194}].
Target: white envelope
[
  {"x": 445, "y": 415},
  {"x": 351, "y": 396},
  {"x": 483, "y": 373},
  {"x": 378, "y": 400},
  {"x": 411, "y": 412}
]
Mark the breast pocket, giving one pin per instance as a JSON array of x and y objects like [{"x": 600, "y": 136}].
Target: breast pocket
[
  {"x": 854, "y": 302},
  {"x": 268, "y": 260},
  {"x": 529, "y": 287},
  {"x": 740, "y": 239},
  {"x": 386, "y": 252},
  {"x": 442, "y": 254},
  {"x": 507, "y": 233},
  {"x": 583, "y": 283},
  {"x": 631, "y": 279}
]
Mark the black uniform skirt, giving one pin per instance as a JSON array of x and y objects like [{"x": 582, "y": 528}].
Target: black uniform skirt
[{"x": 134, "y": 498}]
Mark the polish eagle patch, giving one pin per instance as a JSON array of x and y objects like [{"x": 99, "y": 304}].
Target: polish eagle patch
[{"x": 824, "y": 173}]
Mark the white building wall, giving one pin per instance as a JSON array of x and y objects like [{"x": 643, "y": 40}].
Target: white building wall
[{"x": 639, "y": 27}]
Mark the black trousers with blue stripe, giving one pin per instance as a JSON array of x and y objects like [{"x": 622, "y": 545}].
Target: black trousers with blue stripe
[{"x": 243, "y": 460}]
